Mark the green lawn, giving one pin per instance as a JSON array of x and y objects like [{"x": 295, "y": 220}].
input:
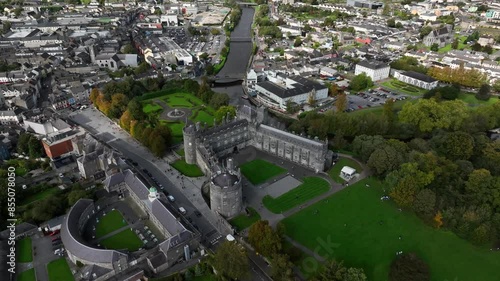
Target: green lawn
[
  {"x": 335, "y": 170},
  {"x": 182, "y": 100},
  {"x": 24, "y": 250},
  {"x": 28, "y": 275},
  {"x": 402, "y": 87},
  {"x": 59, "y": 270},
  {"x": 126, "y": 239},
  {"x": 243, "y": 221},
  {"x": 259, "y": 171},
  {"x": 364, "y": 232},
  {"x": 461, "y": 45},
  {"x": 379, "y": 110},
  {"x": 189, "y": 170},
  {"x": 312, "y": 187},
  {"x": 176, "y": 128},
  {"x": 40, "y": 195},
  {"x": 19, "y": 165},
  {"x": 151, "y": 108},
  {"x": 203, "y": 116},
  {"x": 180, "y": 152},
  {"x": 109, "y": 223},
  {"x": 471, "y": 100}
]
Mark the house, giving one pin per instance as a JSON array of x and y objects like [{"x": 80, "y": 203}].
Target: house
[
  {"x": 416, "y": 79},
  {"x": 441, "y": 36},
  {"x": 8, "y": 117},
  {"x": 486, "y": 40},
  {"x": 374, "y": 69}
]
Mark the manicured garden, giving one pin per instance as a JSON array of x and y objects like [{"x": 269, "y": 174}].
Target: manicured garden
[
  {"x": 24, "y": 250},
  {"x": 203, "y": 116},
  {"x": 244, "y": 221},
  {"x": 126, "y": 239},
  {"x": 151, "y": 107},
  {"x": 334, "y": 172},
  {"x": 189, "y": 170},
  {"x": 182, "y": 100},
  {"x": 408, "y": 89},
  {"x": 259, "y": 171},
  {"x": 28, "y": 275},
  {"x": 59, "y": 270},
  {"x": 364, "y": 231},
  {"x": 309, "y": 189},
  {"x": 109, "y": 223}
]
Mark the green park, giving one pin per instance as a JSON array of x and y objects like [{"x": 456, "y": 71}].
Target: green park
[
  {"x": 334, "y": 172},
  {"x": 309, "y": 189},
  {"x": 189, "y": 170},
  {"x": 24, "y": 250},
  {"x": 259, "y": 171},
  {"x": 110, "y": 222},
  {"x": 244, "y": 221},
  {"x": 59, "y": 270},
  {"x": 362, "y": 230},
  {"x": 125, "y": 239},
  {"x": 28, "y": 275}
]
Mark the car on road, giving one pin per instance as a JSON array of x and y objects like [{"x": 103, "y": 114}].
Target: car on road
[
  {"x": 197, "y": 213},
  {"x": 182, "y": 210},
  {"x": 56, "y": 238},
  {"x": 171, "y": 198}
]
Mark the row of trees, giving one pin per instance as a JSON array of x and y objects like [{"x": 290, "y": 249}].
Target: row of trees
[
  {"x": 29, "y": 145},
  {"x": 461, "y": 76},
  {"x": 409, "y": 64}
]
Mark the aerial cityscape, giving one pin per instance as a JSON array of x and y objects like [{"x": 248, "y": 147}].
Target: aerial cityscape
[{"x": 257, "y": 140}]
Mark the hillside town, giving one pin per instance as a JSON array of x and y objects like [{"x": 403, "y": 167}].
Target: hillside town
[{"x": 250, "y": 140}]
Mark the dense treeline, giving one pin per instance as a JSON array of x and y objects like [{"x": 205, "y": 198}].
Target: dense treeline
[
  {"x": 461, "y": 76},
  {"x": 122, "y": 101},
  {"x": 409, "y": 64},
  {"x": 434, "y": 156}
]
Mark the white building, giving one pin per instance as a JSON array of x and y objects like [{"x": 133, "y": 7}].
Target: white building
[
  {"x": 294, "y": 31},
  {"x": 280, "y": 89},
  {"x": 416, "y": 79},
  {"x": 375, "y": 70},
  {"x": 8, "y": 117}
]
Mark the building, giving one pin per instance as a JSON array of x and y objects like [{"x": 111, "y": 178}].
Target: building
[
  {"x": 205, "y": 146},
  {"x": 116, "y": 61},
  {"x": 59, "y": 143},
  {"x": 95, "y": 158},
  {"x": 374, "y": 69},
  {"x": 9, "y": 117},
  {"x": 441, "y": 36},
  {"x": 281, "y": 89},
  {"x": 416, "y": 79},
  {"x": 365, "y": 4}
]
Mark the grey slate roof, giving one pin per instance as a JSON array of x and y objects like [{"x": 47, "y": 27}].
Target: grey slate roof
[
  {"x": 166, "y": 218},
  {"x": 279, "y": 134},
  {"x": 373, "y": 64},
  {"x": 419, "y": 76},
  {"x": 301, "y": 86},
  {"x": 72, "y": 240}
]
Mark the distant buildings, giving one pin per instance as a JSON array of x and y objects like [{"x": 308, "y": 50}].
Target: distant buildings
[
  {"x": 441, "y": 36},
  {"x": 59, "y": 143},
  {"x": 365, "y": 4},
  {"x": 375, "y": 70}
]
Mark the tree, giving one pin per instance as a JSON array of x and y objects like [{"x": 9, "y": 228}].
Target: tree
[
  {"x": 35, "y": 147},
  {"x": 438, "y": 219},
  {"x": 454, "y": 145},
  {"x": 224, "y": 112},
  {"x": 291, "y": 107},
  {"x": 389, "y": 110},
  {"x": 203, "y": 56},
  {"x": 361, "y": 82},
  {"x": 6, "y": 26},
  {"x": 355, "y": 274},
  {"x": 76, "y": 194},
  {"x": 297, "y": 42},
  {"x": 425, "y": 31},
  {"x": 425, "y": 202},
  {"x": 484, "y": 93},
  {"x": 311, "y": 99},
  {"x": 264, "y": 239},
  {"x": 364, "y": 145},
  {"x": 428, "y": 114},
  {"x": 215, "y": 31},
  {"x": 119, "y": 103},
  {"x": 23, "y": 143},
  {"x": 385, "y": 159},
  {"x": 435, "y": 47},
  {"x": 454, "y": 44},
  {"x": 135, "y": 109},
  {"x": 334, "y": 271},
  {"x": 129, "y": 49},
  {"x": 94, "y": 93},
  {"x": 391, "y": 22},
  {"x": 399, "y": 25},
  {"x": 230, "y": 261},
  {"x": 158, "y": 146},
  {"x": 406, "y": 182},
  {"x": 341, "y": 103},
  {"x": 218, "y": 100},
  {"x": 409, "y": 267},
  {"x": 281, "y": 268}
]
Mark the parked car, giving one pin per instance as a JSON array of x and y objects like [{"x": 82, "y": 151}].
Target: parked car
[
  {"x": 56, "y": 238},
  {"x": 182, "y": 210},
  {"x": 171, "y": 198},
  {"x": 55, "y": 232}
]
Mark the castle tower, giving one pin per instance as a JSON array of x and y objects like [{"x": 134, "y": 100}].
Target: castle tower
[
  {"x": 189, "y": 133},
  {"x": 226, "y": 196},
  {"x": 262, "y": 114}
]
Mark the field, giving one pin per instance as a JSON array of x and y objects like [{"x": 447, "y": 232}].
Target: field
[
  {"x": 182, "y": 100},
  {"x": 335, "y": 170},
  {"x": 109, "y": 223},
  {"x": 151, "y": 108},
  {"x": 40, "y": 195},
  {"x": 471, "y": 100},
  {"x": 176, "y": 128},
  {"x": 364, "y": 231},
  {"x": 24, "y": 250},
  {"x": 203, "y": 116},
  {"x": 180, "y": 152},
  {"x": 126, "y": 239},
  {"x": 59, "y": 270},
  {"x": 309, "y": 189},
  {"x": 404, "y": 88},
  {"x": 259, "y": 171},
  {"x": 28, "y": 275},
  {"x": 243, "y": 221},
  {"x": 189, "y": 170},
  {"x": 461, "y": 45}
]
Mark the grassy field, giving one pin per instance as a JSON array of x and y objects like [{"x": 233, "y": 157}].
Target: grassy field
[
  {"x": 364, "y": 232},
  {"x": 59, "y": 270},
  {"x": 243, "y": 221},
  {"x": 182, "y": 100},
  {"x": 311, "y": 188},
  {"x": 180, "y": 152},
  {"x": 471, "y": 100},
  {"x": 379, "y": 110},
  {"x": 308, "y": 265},
  {"x": 109, "y": 223},
  {"x": 24, "y": 250},
  {"x": 404, "y": 88},
  {"x": 335, "y": 170},
  {"x": 189, "y": 170},
  {"x": 203, "y": 116},
  {"x": 126, "y": 239},
  {"x": 461, "y": 45},
  {"x": 259, "y": 171},
  {"x": 28, "y": 275},
  {"x": 40, "y": 195},
  {"x": 176, "y": 128},
  {"x": 151, "y": 108}
]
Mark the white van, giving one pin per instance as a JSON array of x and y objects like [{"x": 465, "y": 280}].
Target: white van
[{"x": 182, "y": 210}]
